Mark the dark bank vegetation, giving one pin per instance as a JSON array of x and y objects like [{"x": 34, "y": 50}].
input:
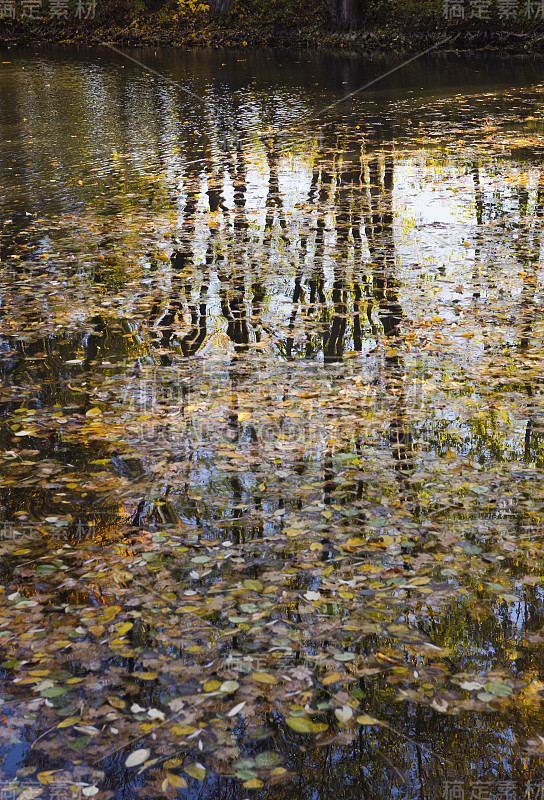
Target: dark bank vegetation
[{"x": 349, "y": 25}]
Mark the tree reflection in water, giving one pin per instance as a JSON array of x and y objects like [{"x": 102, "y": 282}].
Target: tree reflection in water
[{"x": 264, "y": 414}]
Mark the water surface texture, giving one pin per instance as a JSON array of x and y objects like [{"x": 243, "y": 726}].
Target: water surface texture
[{"x": 271, "y": 427}]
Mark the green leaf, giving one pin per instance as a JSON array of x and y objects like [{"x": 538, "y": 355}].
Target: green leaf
[
  {"x": 344, "y": 656},
  {"x": 255, "y": 586},
  {"x": 301, "y": 724},
  {"x": 499, "y": 689},
  {"x": 54, "y": 691},
  {"x": 246, "y": 774},
  {"x": 79, "y": 743},
  {"x": 268, "y": 759}
]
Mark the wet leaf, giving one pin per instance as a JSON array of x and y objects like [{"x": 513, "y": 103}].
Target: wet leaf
[
  {"x": 229, "y": 687},
  {"x": 196, "y": 771},
  {"x": 137, "y": 757},
  {"x": 365, "y": 719},
  {"x": 498, "y": 689},
  {"x": 264, "y": 677},
  {"x": 300, "y": 724},
  {"x": 344, "y": 656},
  {"x": 253, "y": 585}
]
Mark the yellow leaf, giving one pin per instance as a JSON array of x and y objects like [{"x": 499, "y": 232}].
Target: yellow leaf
[
  {"x": 196, "y": 771},
  {"x": 123, "y": 628},
  {"x": 47, "y": 777},
  {"x": 333, "y": 677},
  {"x": 264, "y": 677},
  {"x": 172, "y": 763},
  {"x": 116, "y": 702},
  {"x": 93, "y": 412},
  {"x": 182, "y": 730},
  {"x": 66, "y": 723},
  {"x": 176, "y": 780},
  {"x": 254, "y": 783},
  {"x": 212, "y": 686},
  {"x": 364, "y": 719},
  {"x": 145, "y": 676}
]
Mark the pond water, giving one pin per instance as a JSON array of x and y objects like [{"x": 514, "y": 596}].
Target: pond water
[{"x": 272, "y": 426}]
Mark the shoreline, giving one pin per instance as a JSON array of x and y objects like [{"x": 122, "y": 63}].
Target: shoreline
[{"x": 393, "y": 41}]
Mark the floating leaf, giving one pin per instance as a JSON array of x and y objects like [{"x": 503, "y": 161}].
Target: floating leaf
[
  {"x": 48, "y": 777},
  {"x": 264, "y": 677},
  {"x": 68, "y": 722},
  {"x": 137, "y": 757},
  {"x": 333, "y": 677},
  {"x": 177, "y": 781},
  {"x": 255, "y": 586},
  {"x": 196, "y": 771},
  {"x": 267, "y": 759},
  {"x": 79, "y": 744},
  {"x": 364, "y": 719},
  {"x": 343, "y": 714},
  {"x": 212, "y": 686},
  {"x": 344, "y": 656},
  {"x": 229, "y": 686},
  {"x": 54, "y": 691},
  {"x": 145, "y": 676},
  {"x": 172, "y": 763},
  {"x": 123, "y": 628},
  {"x": 236, "y": 710},
  {"x": 499, "y": 689},
  {"x": 182, "y": 730},
  {"x": 246, "y": 774},
  {"x": 300, "y": 724},
  {"x": 471, "y": 686}
]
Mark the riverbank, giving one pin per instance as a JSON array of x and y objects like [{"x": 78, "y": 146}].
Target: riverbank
[{"x": 158, "y": 32}]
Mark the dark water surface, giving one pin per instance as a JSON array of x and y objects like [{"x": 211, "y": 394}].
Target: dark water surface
[{"x": 272, "y": 430}]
